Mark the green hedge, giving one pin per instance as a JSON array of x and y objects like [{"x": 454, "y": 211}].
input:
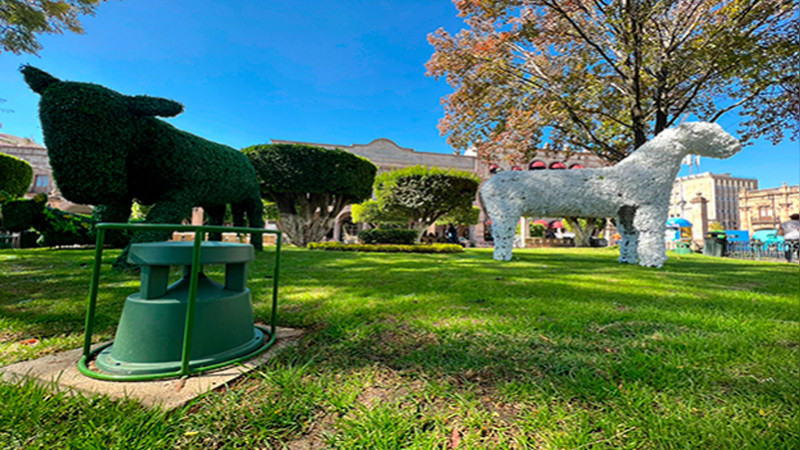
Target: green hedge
[
  {"x": 386, "y": 248},
  {"x": 15, "y": 175},
  {"x": 381, "y": 236}
]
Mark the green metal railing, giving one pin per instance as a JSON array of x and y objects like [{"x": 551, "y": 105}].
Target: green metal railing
[{"x": 199, "y": 237}]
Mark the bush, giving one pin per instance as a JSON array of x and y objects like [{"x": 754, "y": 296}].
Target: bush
[
  {"x": 15, "y": 175},
  {"x": 383, "y": 236},
  {"x": 57, "y": 227},
  {"x": 537, "y": 230},
  {"x": 386, "y": 248}
]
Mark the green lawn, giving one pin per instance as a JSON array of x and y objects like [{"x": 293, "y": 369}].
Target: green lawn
[{"x": 560, "y": 348}]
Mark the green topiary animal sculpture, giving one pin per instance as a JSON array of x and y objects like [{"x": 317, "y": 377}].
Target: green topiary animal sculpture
[{"x": 108, "y": 149}]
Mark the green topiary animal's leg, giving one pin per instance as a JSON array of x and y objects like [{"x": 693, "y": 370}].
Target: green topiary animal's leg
[
  {"x": 216, "y": 215},
  {"x": 255, "y": 217},
  {"x": 115, "y": 213}
]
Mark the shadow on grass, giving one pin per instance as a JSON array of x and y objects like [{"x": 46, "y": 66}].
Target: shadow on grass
[{"x": 575, "y": 323}]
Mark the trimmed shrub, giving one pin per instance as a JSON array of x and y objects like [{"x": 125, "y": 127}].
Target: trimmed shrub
[
  {"x": 107, "y": 149},
  {"x": 386, "y": 248},
  {"x": 15, "y": 175},
  {"x": 382, "y": 236},
  {"x": 310, "y": 185},
  {"x": 56, "y": 227},
  {"x": 425, "y": 194}
]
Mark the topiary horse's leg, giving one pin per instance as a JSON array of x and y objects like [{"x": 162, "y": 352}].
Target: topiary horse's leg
[
  {"x": 628, "y": 252},
  {"x": 650, "y": 221}
]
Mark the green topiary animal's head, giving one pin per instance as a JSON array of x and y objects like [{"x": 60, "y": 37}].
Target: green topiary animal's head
[{"x": 90, "y": 131}]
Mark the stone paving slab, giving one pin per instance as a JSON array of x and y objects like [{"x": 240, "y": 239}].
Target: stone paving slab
[{"x": 61, "y": 371}]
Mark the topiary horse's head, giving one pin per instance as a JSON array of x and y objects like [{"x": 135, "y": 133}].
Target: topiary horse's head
[
  {"x": 19, "y": 214},
  {"x": 90, "y": 131},
  {"x": 707, "y": 139}
]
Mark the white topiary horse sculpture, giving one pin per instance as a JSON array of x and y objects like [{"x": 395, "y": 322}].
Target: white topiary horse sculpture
[{"x": 636, "y": 191}]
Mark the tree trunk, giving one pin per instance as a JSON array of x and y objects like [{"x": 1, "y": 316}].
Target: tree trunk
[
  {"x": 308, "y": 218},
  {"x": 583, "y": 236}
]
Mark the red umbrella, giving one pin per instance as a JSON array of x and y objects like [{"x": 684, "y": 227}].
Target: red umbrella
[
  {"x": 556, "y": 224},
  {"x": 540, "y": 222}
]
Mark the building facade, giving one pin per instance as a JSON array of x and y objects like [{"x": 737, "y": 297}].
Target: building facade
[
  {"x": 721, "y": 191},
  {"x": 766, "y": 209}
]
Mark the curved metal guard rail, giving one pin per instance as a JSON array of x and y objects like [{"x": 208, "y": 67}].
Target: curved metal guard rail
[{"x": 200, "y": 233}]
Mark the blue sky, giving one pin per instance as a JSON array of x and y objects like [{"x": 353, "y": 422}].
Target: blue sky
[{"x": 307, "y": 70}]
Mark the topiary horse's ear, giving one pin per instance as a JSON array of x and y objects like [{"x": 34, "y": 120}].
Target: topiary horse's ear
[
  {"x": 37, "y": 79},
  {"x": 4, "y": 197},
  {"x": 153, "y": 106},
  {"x": 40, "y": 198}
]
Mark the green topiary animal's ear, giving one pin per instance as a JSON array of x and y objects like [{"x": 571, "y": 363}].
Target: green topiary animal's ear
[
  {"x": 37, "y": 79},
  {"x": 4, "y": 197},
  {"x": 40, "y": 198},
  {"x": 153, "y": 106}
]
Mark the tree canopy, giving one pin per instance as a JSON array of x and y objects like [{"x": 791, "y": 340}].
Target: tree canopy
[
  {"x": 22, "y": 20},
  {"x": 606, "y": 75},
  {"x": 310, "y": 185},
  {"x": 424, "y": 194}
]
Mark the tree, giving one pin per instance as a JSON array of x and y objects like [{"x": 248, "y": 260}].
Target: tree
[
  {"x": 604, "y": 76},
  {"x": 310, "y": 186},
  {"x": 22, "y": 20},
  {"x": 424, "y": 194}
]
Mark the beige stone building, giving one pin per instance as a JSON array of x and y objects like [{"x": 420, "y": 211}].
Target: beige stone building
[
  {"x": 721, "y": 192},
  {"x": 387, "y": 155},
  {"x": 36, "y": 155},
  {"x": 766, "y": 209}
]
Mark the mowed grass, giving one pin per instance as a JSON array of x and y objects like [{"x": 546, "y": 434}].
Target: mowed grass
[{"x": 559, "y": 348}]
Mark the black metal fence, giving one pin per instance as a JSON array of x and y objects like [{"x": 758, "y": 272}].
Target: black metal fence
[{"x": 759, "y": 251}]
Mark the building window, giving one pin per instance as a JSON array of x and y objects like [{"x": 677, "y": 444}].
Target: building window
[
  {"x": 41, "y": 181},
  {"x": 763, "y": 211}
]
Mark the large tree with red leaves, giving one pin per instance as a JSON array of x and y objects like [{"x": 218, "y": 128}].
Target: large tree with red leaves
[{"x": 606, "y": 75}]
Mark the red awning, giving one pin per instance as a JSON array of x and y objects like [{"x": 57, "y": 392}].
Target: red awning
[
  {"x": 493, "y": 168},
  {"x": 537, "y": 165},
  {"x": 576, "y": 166},
  {"x": 557, "y": 166},
  {"x": 516, "y": 168}
]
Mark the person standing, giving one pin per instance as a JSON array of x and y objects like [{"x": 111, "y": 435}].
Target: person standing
[{"x": 790, "y": 230}]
